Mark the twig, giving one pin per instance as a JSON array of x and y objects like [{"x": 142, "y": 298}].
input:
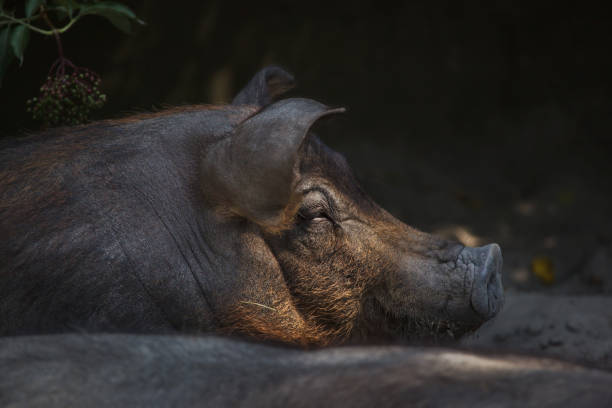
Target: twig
[
  {"x": 60, "y": 49},
  {"x": 257, "y": 304},
  {"x": 36, "y": 29}
]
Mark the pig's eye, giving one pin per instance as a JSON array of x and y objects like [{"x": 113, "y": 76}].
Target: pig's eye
[
  {"x": 313, "y": 214},
  {"x": 316, "y": 207}
]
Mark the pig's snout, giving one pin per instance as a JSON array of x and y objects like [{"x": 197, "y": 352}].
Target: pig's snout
[{"x": 487, "y": 297}]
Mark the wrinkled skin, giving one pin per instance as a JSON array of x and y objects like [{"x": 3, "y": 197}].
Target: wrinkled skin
[
  {"x": 233, "y": 219},
  {"x": 373, "y": 275}
]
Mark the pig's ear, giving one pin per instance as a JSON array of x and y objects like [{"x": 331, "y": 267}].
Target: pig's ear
[
  {"x": 253, "y": 172},
  {"x": 265, "y": 87}
]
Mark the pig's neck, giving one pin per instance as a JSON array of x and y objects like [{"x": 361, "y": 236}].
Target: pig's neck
[{"x": 232, "y": 277}]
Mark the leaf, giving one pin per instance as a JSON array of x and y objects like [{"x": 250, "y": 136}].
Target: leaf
[
  {"x": 19, "y": 41},
  {"x": 31, "y": 6},
  {"x": 119, "y": 21},
  {"x": 118, "y": 14},
  {"x": 6, "y": 57},
  {"x": 69, "y": 6},
  {"x": 111, "y": 6},
  {"x": 542, "y": 267}
]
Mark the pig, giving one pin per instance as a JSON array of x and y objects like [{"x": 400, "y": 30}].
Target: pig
[
  {"x": 233, "y": 219},
  {"x": 119, "y": 370}
]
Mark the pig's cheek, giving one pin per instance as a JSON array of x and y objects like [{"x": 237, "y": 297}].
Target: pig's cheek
[{"x": 320, "y": 237}]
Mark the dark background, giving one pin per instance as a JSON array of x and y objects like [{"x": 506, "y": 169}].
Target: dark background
[{"x": 480, "y": 120}]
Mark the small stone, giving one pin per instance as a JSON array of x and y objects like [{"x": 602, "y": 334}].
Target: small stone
[
  {"x": 555, "y": 341},
  {"x": 574, "y": 324},
  {"x": 500, "y": 337},
  {"x": 534, "y": 328},
  {"x": 595, "y": 333}
]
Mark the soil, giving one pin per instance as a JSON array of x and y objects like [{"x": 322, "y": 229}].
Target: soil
[{"x": 575, "y": 328}]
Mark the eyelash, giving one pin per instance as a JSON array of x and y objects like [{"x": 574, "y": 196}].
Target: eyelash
[
  {"x": 319, "y": 214},
  {"x": 319, "y": 210}
]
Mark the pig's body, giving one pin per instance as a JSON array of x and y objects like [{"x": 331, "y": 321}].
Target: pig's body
[
  {"x": 105, "y": 219},
  {"x": 226, "y": 219},
  {"x": 165, "y": 371}
]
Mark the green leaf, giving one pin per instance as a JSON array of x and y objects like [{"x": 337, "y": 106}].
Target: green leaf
[
  {"x": 19, "y": 41},
  {"x": 119, "y": 21},
  {"x": 69, "y": 6},
  {"x": 6, "y": 57},
  {"x": 118, "y": 14},
  {"x": 109, "y": 6},
  {"x": 31, "y": 6}
]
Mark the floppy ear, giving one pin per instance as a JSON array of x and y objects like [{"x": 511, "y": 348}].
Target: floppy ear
[
  {"x": 267, "y": 85},
  {"x": 253, "y": 171}
]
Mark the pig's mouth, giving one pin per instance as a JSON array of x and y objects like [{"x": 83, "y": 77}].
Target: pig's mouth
[{"x": 422, "y": 328}]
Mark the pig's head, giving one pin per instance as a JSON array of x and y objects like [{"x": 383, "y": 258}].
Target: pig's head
[{"x": 351, "y": 269}]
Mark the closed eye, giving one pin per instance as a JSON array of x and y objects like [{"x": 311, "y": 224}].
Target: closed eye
[
  {"x": 317, "y": 207},
  {"x": 309, "y": 214}
]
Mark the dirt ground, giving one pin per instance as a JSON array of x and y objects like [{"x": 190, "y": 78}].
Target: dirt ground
[
  {"x": 549, "y": 211},
  {"x": 576, "y": 328}
]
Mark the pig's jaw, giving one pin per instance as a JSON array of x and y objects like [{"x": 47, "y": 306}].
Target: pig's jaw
[{"x": 380, "y": 324}]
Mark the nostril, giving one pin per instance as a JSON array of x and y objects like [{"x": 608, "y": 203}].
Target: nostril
[
  {"x": 487, "y": 291},
  {"x": 492, "y": 263},
  {"x": 494, "y": 292},
  {"x": 493, "y": 266}
]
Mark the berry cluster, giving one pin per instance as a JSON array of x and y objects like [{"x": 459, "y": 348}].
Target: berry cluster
[{"x": 67, "y": 99}]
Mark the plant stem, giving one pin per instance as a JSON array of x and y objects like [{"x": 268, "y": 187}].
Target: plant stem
[
  {"x": 36, "y": 29},
  {"x": 11, "y": 19},
  {"x": 60, "y": 49}
]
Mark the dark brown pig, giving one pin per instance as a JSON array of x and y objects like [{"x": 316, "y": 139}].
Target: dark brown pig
[
  {"x": 221, "y": 218},
  {"x": 175, "y": 371}
]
